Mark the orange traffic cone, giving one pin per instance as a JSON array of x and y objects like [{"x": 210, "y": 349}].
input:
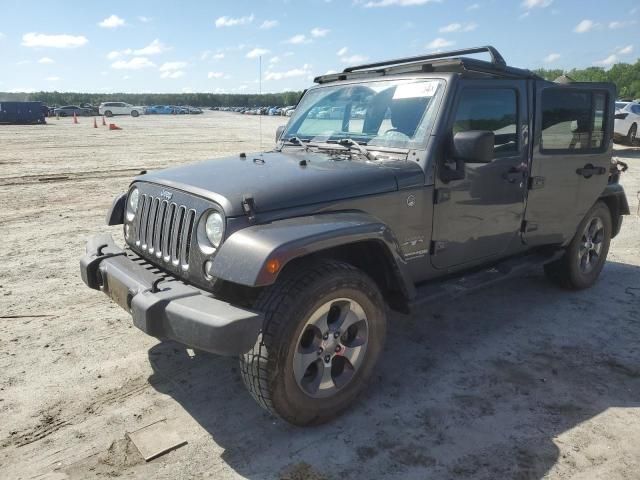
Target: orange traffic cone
[
  {"x": 75, "y": 118},
  {"x": 113, "y": 126},
  {"x": 104, "y": 124},
  {"x": 95, "y": 123}
]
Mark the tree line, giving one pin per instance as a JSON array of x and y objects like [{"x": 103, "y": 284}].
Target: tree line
[
  {"x": 626, "y": 76},
  {"x": 194, "y": 99}
]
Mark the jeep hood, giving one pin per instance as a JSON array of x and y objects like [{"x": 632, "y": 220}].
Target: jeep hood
[{"x": 278, "y": 180}]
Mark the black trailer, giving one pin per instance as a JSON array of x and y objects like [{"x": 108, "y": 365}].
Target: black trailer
[{"x": 21, "y": 113}]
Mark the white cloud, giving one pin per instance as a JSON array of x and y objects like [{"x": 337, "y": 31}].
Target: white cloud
[
  {"x": 154, "y": 48},
  {"x": 585, "y": 26},
  {"x": 458, "y": 27},
  {"x": 171, "y": 66},
  {"x": 112, "y": 21},
  {"x": 295, "y": 72},
  {"x": 438, "y": 43},
  {"x": 552, "y": 57},
  {"x": 607, "y": 62},
  {"x": 267, "y": 24},
  {"x": 172, "y": 74},
  {"x": 529, "y": 4},
  {"x": 218, "y": 56},
  {"x": 330, "y": 72},
  {"x": 144, "y": 19},
  {"x": 342, "y": 52},
  {"x": 319, "y": 32},
  {"x": 53, "y": 41},
  {"x": 136, "y": 63},
  {"x": 473, "y": 6},
  {"x": 53, "y": 79},
  {"x": 351, "y": 59},
  {"x": 113, "y": 55},
  {"x": 46, "y": 61},
  {"x": 2, "y": 36},
  {"x": 625, "y": 50},
  {"x": 215, "y": 75},
  {"x": 275, "y": 59},
  {"x": 232, "y": 22},
  {"x": 257, "y": 52},
  {"x": 399, "y": 3},
  {"x": 622, "y": 24},
  {"x": 23, "y": 62},
  {"x": 298, "y": 39}
]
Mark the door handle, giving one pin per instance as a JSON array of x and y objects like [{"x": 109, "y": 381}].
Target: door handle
[{"x": 589, "y": 170}]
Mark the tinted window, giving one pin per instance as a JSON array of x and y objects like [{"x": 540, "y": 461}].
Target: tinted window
[
  {"x": 620, "y": 106},
  {"x": 493, "y": 109},
  {"x": 572, "y": 119},
  {"x": 636, "y": 109}
]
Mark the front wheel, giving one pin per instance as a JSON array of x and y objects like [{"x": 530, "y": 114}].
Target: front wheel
[
  {"x": 586, "y": 255},
  {"x": 108, "y": 113},
  {"x": 134, "y": 113},
  {"x": 323, "y": 331}
]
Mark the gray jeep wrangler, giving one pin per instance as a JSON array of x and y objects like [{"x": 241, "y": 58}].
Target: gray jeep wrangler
[{"x": 393, "y": 184}]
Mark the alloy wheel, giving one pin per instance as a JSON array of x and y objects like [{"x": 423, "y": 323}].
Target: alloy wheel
[{"x": 591, "y": 245}]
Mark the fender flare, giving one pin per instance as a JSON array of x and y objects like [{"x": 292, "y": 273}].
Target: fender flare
[
  {"x": 243, "y": 256},
  {"x": 615, "y": 198}
]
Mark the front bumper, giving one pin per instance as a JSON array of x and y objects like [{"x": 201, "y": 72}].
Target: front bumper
[{"x": 164, "y": 307}]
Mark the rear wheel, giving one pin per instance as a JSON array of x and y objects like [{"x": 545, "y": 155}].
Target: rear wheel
[
  {"x": 632, "y": 135},
  {"x": 323, "y": 331},
  {"x": 585, "y": 256},
  {"x": 134, "y": 113},
  {"x": 108, "y": 113}
]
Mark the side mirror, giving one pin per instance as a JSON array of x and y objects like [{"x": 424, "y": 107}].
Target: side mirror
[
  {"x": 473, "y": 146},
  {"x": 620, "y": 116},
  {"x": 279, "y": 132}
]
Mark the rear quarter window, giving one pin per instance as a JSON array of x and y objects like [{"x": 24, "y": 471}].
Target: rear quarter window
[{"x": 573, "y": 120}]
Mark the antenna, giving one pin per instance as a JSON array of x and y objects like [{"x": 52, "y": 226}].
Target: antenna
[{"x": 260, "y": 97}]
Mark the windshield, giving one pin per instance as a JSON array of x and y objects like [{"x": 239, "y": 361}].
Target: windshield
[{"x": 394, "y": 114}]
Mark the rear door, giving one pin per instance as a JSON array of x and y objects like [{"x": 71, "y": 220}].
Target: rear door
[
  {"x": 479, "y": 217},
  {"x": 571, "y": 158}
]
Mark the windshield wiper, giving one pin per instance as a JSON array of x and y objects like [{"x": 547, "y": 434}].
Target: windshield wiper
[
  {"x": 294, "y": 141},
  {"x": 346, "y": 142}
]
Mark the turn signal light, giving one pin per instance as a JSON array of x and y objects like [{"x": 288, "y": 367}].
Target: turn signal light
[{"x": 272, "y": 266}]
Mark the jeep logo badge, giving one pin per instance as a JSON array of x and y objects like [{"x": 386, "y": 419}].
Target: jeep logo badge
[{"x": 166, "y": 195}]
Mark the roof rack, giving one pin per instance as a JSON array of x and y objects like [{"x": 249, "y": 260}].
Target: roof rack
[{"x": 496, "y": 59}]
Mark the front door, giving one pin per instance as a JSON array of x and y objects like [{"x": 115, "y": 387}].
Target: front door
[
  {"x": 480, "y": 216},
  {"x": 571, "y": 158}
]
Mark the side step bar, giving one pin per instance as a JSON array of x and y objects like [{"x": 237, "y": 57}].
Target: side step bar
[{"x": 438, "y": 289}]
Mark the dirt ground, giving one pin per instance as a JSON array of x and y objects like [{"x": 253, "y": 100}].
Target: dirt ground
[{"x": 523, "y": 381}]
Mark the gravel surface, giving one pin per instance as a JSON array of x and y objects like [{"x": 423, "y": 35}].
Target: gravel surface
[{"x": 521, "y": 381}]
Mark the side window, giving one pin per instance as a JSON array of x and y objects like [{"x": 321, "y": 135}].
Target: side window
[
  {"x": 572, "y": 119},
  {"x": 635, "y": 109},
  {"x": 492, "y": 109}
]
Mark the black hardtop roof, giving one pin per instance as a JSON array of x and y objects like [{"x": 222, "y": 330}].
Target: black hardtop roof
[{"x": 452, "y": 61}]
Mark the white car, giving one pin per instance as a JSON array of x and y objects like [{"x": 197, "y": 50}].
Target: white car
[
  {"x": 109, "y": 109},
  {"x": 627, "y": 121}
]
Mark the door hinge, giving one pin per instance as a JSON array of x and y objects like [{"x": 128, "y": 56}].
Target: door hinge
[
  {"x": 436, "y": 247},
  {"x": 441, "y": 195},
  {"x": 249, "y": 206},
  {"x": 536, "y": 182}
]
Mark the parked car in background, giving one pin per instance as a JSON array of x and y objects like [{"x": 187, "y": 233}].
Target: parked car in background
[
  {"x": 194, "y": 110},
  {"x": 109, "y": 109},
  {"x": 69, "y": 110},
  {"x": 627, "y": 119},
  {"x": 92, "y": 108},
  {"x": 159, "y": 110}
]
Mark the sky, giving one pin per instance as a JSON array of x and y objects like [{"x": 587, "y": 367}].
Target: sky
[{"x": 215, "y": 46}]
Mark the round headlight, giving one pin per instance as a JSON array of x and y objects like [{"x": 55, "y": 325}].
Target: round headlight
[
  {"x": 134, "y": 197},
  {"x": 214, "y": 228}
]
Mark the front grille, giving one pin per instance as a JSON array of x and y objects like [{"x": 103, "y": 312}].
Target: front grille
[{"x": 163, "y": 230}]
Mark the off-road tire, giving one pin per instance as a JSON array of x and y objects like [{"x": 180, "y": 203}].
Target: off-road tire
[
  {"x": 632, "y": 135},
  {"x": 267, "y": 369},
  {"x": 566, "y": 271},
  {"x": 134, "y": 113},
  {"x": 108, "y": 113}
]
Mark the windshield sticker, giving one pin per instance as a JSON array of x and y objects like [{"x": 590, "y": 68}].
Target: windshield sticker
[{"x": 415, "y": 90}]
